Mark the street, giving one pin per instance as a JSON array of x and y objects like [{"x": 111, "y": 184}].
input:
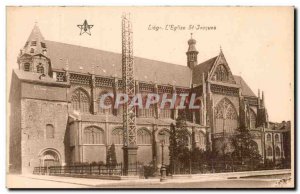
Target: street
[{"x": 21, "y": 181}]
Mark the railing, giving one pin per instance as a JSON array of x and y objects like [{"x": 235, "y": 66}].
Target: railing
[
  {"x": 40, "y": 170},
  {"x": 90, "y": 169},
  {"x": 219, "y": 167}
]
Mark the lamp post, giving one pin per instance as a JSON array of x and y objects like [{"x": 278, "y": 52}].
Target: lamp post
[{"x": 163, "y": 169}]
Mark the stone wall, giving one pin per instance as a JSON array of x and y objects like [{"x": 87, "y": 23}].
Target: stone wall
[{"x": 36, "y": 114}]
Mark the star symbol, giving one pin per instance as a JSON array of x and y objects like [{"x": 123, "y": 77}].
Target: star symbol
[{"x": 85, "y": 28}]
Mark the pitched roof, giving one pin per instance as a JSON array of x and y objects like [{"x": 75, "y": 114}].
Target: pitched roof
[
  {"x": 246, "y": 90},
  {"x": 37, "y": 37},
  {"x": 203, "y": 67},
  {"x": 84, "y": 60}
]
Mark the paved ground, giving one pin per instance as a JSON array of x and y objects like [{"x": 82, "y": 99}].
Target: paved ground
[{"x": 223, "y": 180}]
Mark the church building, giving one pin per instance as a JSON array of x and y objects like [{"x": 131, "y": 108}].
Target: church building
[{"x": 56, "y": 119}]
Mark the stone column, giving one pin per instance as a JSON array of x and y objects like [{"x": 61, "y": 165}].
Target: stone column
[
  {"x": 93, "y": 94},
  {"x": 115, "y": 91}
]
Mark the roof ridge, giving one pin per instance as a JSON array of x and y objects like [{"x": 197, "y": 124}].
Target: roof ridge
[{"x": 112, "y": 52}]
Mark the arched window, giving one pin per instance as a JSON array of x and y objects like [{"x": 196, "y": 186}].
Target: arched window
[
  {"x": 164, "y": 135},
  {"x": 49, "y": 131},
  {"x": 276, "y": 138},
  {"x": 269, "y": 151},
  {"x": 31, "y": 50},
  {"x": 108, "y": 101},
  {"x": 221, "y": 73},
  {"x": 40, "y": 68},
  {"x": 269, "y": 137},
  {"x": 165, "y": 112},
  {"x": 80, "y": 101},
  {"x": 277, "y": 151},
  {"x": 26, "y": 67},
  {"x": 226, "y": 117},
  {"x": 252, "y": 117},
  {"x": 143, "y": 136},
  {"x": 117, "y": 136},
  {"x": 93, "y": 135}
]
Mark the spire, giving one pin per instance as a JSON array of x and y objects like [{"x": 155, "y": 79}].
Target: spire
[
  {"x": 258, "y": 98},
  {"x": 35, "y": 43},
  {"x": 36, "y": 34},
  {"x": 192, "y": 44},
  {"x": 221, "y": 51},
  {"x": 192, "y": 53},
  {"x": 262, "y": 99}
]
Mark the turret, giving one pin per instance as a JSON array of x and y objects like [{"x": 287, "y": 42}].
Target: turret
[
  {"x": 33, "y": 56},
  {"x": 192, "y": 53}
]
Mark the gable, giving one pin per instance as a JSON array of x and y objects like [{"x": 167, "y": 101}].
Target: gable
[
  {"x": 203, "y": 68},
  {"x": 220, "y": 72}
]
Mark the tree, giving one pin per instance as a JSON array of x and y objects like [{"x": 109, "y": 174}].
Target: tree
[
  {"x": 179, "y": 151},
  {"x": 111, "y": 158},
  {"x": 245, "y": 150}
]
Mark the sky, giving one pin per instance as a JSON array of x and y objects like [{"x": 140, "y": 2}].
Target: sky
[{"x": 258, "y": 43}]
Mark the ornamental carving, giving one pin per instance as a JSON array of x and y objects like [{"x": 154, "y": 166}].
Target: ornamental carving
[
  {"x": 228, "y": 91},
  {"x": 104, "y": 82},
  {"x": 80, "y": 79}
]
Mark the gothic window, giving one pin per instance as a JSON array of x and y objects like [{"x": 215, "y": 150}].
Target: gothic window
[
  {"x": 269, "y": 137},
  {"x": 108, "y": 101},
  {"x": 165, "y": 112},
  {"x": 80, "y": 101},
  {"x": 49, "y": 131},
  {"x": 117, "y": 136},
  {"x": 252, "y": 118},
  {"x": 93, "y": 135},
  {"x": 40, "y": 68},
  {"x": 26, "y": 67},
  {"x": 277, "y": 151},
  {"x": 164, "y": 136},
  {"x": 143, "y": 136},
  {"x": 276, "y": 138},
  {"x": 269, "y": 151},
  {"x": 226, "y": 117},
  {"x": 221, "y": 73}
]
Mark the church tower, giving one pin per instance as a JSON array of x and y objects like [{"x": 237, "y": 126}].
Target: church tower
[
  {"x": 33, "y": 56},
  {"x": 192, "y": 53}
]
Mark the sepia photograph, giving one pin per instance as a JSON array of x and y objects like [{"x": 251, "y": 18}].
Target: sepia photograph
[{"x": 162, "y": 97}]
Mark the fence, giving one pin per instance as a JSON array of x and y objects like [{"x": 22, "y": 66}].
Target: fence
[
  {"x": 90, "y": 169},
  {"x": 218, "y": 167}
]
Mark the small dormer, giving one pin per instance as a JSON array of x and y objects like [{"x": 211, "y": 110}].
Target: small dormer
[{"x": 33, "y": 56}]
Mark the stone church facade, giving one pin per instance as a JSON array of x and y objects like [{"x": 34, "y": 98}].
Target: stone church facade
[{"x": 56, "y": 118}]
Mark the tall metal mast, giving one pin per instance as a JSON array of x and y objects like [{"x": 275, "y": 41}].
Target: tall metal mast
[{"x": 129, "y": 112}]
